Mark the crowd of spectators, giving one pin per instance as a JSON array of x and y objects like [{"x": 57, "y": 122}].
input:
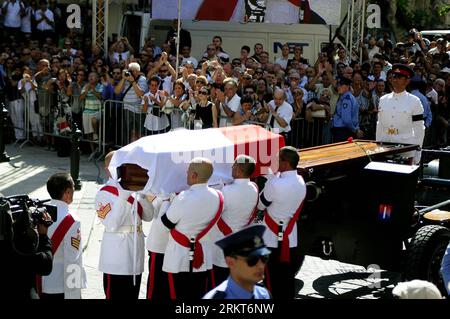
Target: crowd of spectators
[{"x": 61, "y": 79}]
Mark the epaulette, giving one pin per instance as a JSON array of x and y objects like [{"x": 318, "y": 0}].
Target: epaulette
[{"x": 219, "y": 295}]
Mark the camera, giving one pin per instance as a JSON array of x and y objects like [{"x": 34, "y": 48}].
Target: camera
[
  {"x": 127, "y": 73},
  {"x": 25, "y": 212}
]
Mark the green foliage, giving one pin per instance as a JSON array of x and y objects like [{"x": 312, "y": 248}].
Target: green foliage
[{"x": 442, "y": 11}]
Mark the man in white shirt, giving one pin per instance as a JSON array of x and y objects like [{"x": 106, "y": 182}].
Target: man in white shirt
[
  {"x": 280, "y": 115},
  {"x": 282, "y": 200},
  {"x": 400, "y": 114},
  {"x": 230, "y": 102},
  {"x": 122, "y": 249},
  {"x": 45, "y": 22},
  {"x": 186, "y": 54},
  {"x": 283, "y": 60},
  {"x": 68, "y": 276},
  {"x": 239, "y": 209},
  {"x": 12, "y": 10},
  {"x": 188, "y": 255}
]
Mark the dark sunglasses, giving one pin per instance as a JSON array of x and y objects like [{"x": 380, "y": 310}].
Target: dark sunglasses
[
  {"x": 201, "y": 82},
  {"x": 398, "y": 76},
  {"x": 163, "y": 70},
  {"x": 249, "y": 92},
  {"x": 211, "y": 49},
  {"x": 203, "y": 93},
  {"x": 252, "y": 261}
]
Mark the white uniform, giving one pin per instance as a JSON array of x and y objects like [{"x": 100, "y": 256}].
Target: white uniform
[
  {"x": 192, "y": 210},
  {"x": 239, "y": 201},
  {"x": 282, "y": 196},
  {"x": 114, "y": 207},
  {"x": 158, "y": 237},
  {"x": 396, "y": 123},
  {"x": 68, "y": 275}
]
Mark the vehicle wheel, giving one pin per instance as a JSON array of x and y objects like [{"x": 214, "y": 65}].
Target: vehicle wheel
[{"x": 424, "y": 257}]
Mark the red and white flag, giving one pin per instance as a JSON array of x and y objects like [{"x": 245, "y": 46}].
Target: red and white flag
[
  {"x": 166, "y": 156},
  {"x": 277, "y": 11}
]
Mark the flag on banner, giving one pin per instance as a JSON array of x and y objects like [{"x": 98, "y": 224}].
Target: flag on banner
[{"x": 272, "y": 11}]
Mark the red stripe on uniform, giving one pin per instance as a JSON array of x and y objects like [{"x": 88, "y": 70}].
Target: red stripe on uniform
[
  {"x": 151, "y": 276},
  {"x": 173, "y": 295},
  {"x": 110, "y": 189},
  {"x": 108, "y": 286},
  {"x": 213, "y": 279}
]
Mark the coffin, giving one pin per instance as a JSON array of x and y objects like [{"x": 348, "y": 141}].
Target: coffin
[{"x": 158, "y": 164}]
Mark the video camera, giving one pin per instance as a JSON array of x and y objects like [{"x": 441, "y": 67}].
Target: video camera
[{"x": 25, "y": 212}]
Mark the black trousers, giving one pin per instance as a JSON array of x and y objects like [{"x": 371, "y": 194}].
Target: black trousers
[
  {"x": 280, "y": 276},
  {"x": 158, "y": 282},
  {"x": 51, "y": 296},
  {"x": 188, "y": 285},
  {"x": 341, "y": 134},
  {"x": 121, "y": 286}
]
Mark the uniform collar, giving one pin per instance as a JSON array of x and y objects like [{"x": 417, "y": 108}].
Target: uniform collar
[
  {"x": 289, "y": 173},
  {"x": 237, "y": 290},
  {"x": 241, "y": 180},
  {"x": 399, "y": 94},
  {"x": 62, "y": 208},
  {"x": 198, "y": 186}
]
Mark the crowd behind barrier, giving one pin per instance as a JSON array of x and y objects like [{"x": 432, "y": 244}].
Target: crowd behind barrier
[{"x": 55, "y": 80}]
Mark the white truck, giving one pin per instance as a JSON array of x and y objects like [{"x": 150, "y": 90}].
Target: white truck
[{"x": 138, "y": 26}]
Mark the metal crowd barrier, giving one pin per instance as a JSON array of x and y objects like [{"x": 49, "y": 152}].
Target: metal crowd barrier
[
  {"x": 118, "y": 126},
  {"x": 306, "y": 133}
]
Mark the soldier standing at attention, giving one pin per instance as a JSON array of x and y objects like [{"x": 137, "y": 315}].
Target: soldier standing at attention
[
  {"x": 122, "y": 249},
  {"x": 188, "y": 255},
  {"x": 282, "y": 200},
  {"x": 68, "y": 276},
  {"x": 400, "y": 114},
  {"x": 246, "y": 255},
  {"x": 345, "y": 121}
]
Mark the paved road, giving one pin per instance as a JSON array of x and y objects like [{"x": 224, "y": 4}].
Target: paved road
[{"x": 31, "y": 166}]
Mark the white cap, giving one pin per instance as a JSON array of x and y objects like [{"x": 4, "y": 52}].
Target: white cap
[
  {"x": 417, "y": 289},
  {"x": 445, "y": 70}
]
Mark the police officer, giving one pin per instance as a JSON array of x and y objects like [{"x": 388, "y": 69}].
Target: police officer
[
  {"x": 122, "y": 248},
  {"x": 445, "y": 269},
  {"x": 282, "y": 200},
  {"x": 345, "y": 121},
  {"x": 239, "y": 208},
  {"x": 68, "y": 276},
  {"x": 400, "y": 114},
  {"x": 246, "y": 255},
  {"x": 188, "y": 255}
]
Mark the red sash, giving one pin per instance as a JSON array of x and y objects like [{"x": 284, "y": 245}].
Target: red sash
[
  {"x": 223, "y": 226},
  {"x": 56, "y": 239},
  {"x": 184, "y": 241},
  {"x": 131, "y": 201},
  {"x": 273, "y": 226}
]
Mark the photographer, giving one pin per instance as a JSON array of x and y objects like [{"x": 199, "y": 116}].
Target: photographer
[
  {"x": 133, "y": 85},
  {"x": 120, "y": 51},
  {"x": 26, "y": 252}
]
